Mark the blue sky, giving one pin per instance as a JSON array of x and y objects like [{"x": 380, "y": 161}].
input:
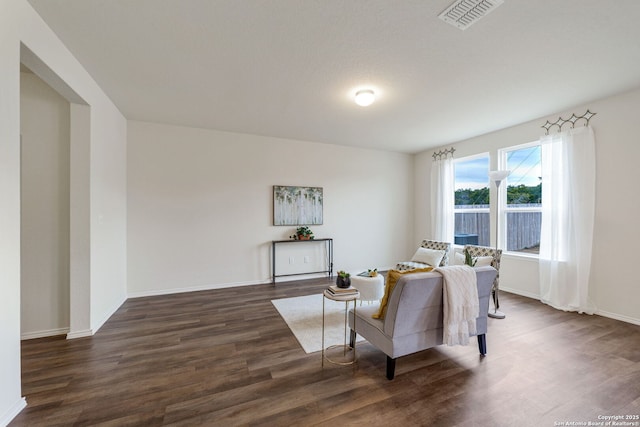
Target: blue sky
[
  {"x": 524, "y": 165},
  {"x": 472, "y": 173}
]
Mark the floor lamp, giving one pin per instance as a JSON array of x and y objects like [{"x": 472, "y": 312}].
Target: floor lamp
[{"x": 497, "y": 177}]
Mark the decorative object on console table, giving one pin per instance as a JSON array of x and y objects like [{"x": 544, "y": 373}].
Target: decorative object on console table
[
  {"x": 497, "y": 177},
  {"x": 343, "y": 280},
  {"x": 303, "y": 233}
]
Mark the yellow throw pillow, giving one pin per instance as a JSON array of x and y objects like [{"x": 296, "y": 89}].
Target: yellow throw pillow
[{"x": 390, "y": 283}]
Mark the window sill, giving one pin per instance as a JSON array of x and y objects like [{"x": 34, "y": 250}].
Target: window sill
[
  {"x": 521, "y": 256},
  {"x": 511, "y": 254}
]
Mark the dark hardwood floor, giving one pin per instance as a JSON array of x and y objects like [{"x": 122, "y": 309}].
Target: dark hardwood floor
[{"x": 225, "y": 357}]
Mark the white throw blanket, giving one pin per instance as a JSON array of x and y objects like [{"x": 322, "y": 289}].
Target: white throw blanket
[{"x": 460, "y": 303}]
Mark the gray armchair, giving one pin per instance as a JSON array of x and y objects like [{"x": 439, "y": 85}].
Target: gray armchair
[
  {"x": 483, "y": 251},
  {"x": 414, "y": 317}
]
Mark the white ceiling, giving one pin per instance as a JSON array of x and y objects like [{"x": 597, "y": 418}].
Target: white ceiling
[{"x": 289, "y": 68}]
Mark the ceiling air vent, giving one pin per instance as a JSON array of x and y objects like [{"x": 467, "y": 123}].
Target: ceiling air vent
[{"x": 464, "y": 13}]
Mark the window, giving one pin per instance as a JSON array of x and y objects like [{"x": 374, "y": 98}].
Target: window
[
  {"x": 524, "y": 197},
  {"x": 520, "y": 216},
  {"x": 472, "y": 221}
]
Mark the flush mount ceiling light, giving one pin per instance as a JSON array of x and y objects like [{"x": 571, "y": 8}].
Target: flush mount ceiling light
[{"x": 365, "y": 97}]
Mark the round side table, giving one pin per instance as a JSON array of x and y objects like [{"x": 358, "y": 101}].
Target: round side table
[
  {"x": 371, "y": 288},
  {"x": 346, "y": 299}
]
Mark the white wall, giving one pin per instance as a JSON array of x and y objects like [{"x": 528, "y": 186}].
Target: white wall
[
  {"x": 20, "y": 26},
  {"x": 108, "y": 215},
  {"x": 200, "y": 205},
  {"x": 10, "y": 397},
  {"x": 44, "y": 126},
  {"x": 614, "y": 280}
]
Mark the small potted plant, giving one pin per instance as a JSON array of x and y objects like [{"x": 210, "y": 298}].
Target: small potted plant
[
  {"x": 303, "y": 233},
  {"x": 343, "y": 280},
  {"x": 468, "y": 259}
]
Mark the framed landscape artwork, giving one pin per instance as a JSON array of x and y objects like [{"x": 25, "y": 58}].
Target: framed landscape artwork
[{"x": 297, "y": 205}]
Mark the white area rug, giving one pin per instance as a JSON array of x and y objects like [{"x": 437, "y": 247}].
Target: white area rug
[{"x": 303, "y": 315}]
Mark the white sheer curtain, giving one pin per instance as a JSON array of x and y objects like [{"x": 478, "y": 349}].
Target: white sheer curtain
[
  {"x": 568, "y": 204},
  {"x": 442, "y": 199}
]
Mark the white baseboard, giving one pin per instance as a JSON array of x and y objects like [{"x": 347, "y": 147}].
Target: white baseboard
[
  {"x": 520, "y": 292},
  {"x": 42, "y": 334},
  {"x": 283, "y": 279},
  {"x": 80, "y": 334},
  {"x": 602, "y": 313},
  {"x": 70, "y": 334},
  {"x": 620, "y": 317},
  {"x": 304, "y": 276},
  {"x": 90, "y": 332},
  {"x": 6, "y": 418},
  {"x": 158, "y": 292}
]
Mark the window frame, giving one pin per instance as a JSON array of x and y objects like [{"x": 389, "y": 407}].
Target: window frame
[
  {"x": 503, "y": 208},
  {"x": 486, "y": 210}
]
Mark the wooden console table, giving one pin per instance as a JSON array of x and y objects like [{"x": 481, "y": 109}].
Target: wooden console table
[{"x": 274, "y": 244}]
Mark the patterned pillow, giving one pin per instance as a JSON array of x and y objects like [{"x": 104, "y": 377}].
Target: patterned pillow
[{"x": 390, "y": 283}]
